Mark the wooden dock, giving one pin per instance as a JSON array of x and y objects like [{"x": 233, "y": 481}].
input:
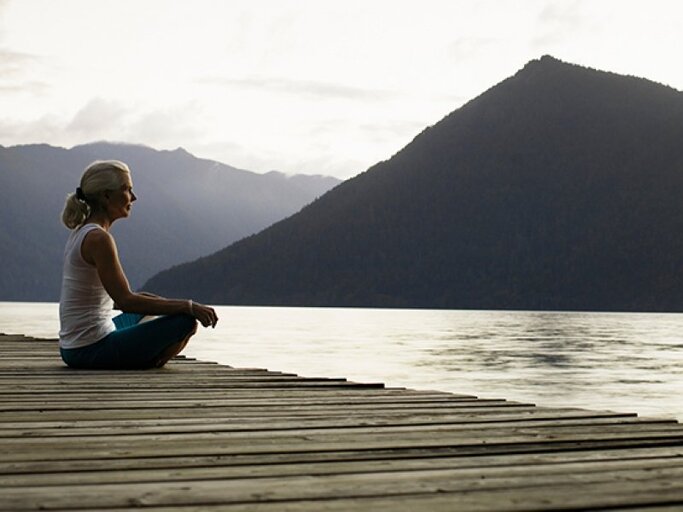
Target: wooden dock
[{"x": 200, "y": 436}]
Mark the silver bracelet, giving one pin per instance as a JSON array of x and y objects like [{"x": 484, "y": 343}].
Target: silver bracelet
[{"x": 191, "y": 307}]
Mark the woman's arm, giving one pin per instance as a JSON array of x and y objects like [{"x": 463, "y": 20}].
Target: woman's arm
[
  {"x": 99, "y": 249},
  {"x": 146, "y": 294}
]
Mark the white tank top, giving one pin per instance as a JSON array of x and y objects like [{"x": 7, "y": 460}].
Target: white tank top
[{"x": 85, "y": 307}]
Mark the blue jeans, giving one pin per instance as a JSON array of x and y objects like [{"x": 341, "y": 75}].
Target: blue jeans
[{"x": 133, "y": 345}]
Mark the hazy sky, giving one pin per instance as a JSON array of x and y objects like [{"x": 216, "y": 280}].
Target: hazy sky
[{"x": 319, "y": 86}]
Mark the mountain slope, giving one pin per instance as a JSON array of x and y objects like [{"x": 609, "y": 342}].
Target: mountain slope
[
  {"x": 559, "y": 188},
  {"x": 187, "y": 207}
]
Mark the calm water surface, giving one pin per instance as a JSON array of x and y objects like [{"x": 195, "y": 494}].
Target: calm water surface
[{"x": 617, "y": 361}]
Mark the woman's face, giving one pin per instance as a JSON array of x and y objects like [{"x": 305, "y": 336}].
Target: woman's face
[{"x": 121, "y": 200}]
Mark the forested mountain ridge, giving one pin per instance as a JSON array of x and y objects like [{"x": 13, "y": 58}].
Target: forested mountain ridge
[
  {"x": 559, "y": 188},
  {"x": 187, "y": 207}
]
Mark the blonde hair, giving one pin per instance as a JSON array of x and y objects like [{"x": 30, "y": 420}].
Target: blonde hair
[{"x": 98, "y": 177}]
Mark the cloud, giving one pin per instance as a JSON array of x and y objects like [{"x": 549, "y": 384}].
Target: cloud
[
  {"x": 558, "y": 21},
  {"x": 97, "y": 120},
  {"x": 13, "y": 63},
  {"x": 3, "y": 6},
  {"x": 175, "y": 125},
  {"x": 97, "y": 117},
  {"x": 310, "y": 88},
  {"x": 43, "y": 129},
  {"x": 565, "y": 12},
  {"x": 30, "y": 87},
  {"x": 470, "y": 47},
  {"x": 14, "y": 68},
  {"x": 104, "y": 119}
]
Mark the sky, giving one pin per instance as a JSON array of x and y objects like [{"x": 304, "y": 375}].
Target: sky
[{"x": 319, "y": 87}]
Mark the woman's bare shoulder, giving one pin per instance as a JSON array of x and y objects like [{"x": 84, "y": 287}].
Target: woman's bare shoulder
[
  {"x": 98, "y": 236},
  {"x": 97, "y": 242}
]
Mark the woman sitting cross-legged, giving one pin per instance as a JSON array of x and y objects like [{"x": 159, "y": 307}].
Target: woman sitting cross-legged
[{"x": 93, "y": 281}]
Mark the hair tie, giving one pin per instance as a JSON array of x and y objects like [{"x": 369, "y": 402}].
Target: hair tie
[{"x": 79, "y": 194}]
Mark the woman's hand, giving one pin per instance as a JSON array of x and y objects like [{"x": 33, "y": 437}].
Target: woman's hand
[{"x": 205, "y": 314}]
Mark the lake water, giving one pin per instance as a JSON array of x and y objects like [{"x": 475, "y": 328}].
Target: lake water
[{"x": 617, "y": 361}]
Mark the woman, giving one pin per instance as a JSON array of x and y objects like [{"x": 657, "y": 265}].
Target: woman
[{"x": 93, "y": 281}]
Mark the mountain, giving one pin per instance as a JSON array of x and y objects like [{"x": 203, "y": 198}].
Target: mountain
[
  {"x": 187, "y": 207},
  {"x": 559, "y": 188}
]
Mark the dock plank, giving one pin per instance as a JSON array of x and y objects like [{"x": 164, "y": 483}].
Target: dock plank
[
  {"x": 364, "y": 485},
  {"x": 201, "y": 436}
]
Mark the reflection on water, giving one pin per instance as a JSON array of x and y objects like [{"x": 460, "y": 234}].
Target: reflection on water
[
  {"x": 616, "y": 361},
  {"x": 629, "y": 362}
]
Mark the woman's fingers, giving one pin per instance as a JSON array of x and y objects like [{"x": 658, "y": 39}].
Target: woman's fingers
[
  {"x": 212, "y": 317},
  {"x": 206, "y": 315}
]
